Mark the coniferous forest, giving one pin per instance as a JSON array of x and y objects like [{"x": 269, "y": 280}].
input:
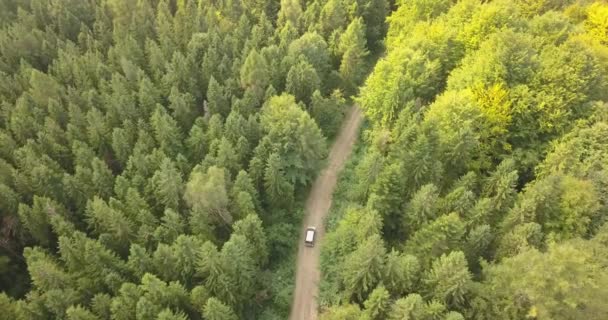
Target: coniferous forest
[
  {"x": 154, "y": 153},
  {"x": 155, "y": 156},
  {"x": 480, "y": 188}
]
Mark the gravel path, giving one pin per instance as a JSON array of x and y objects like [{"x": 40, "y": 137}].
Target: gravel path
[{"x": 304, "y": 305}]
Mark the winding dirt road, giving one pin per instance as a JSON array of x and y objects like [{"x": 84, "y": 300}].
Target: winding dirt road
[{"x": 304, "y": 305}]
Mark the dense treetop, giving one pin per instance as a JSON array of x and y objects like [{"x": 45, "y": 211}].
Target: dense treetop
[
  {"x": 152, "y": 151},
  {"x": 153, "y": 154},
  {"x": 480, "y": 191}
]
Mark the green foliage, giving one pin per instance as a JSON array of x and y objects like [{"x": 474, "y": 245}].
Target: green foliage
[
  {"x": 216, "y": 310},
  {"x": 485, "y": 157},
  {"x": 295, "y": 138},
  {"x": 125, "y": 129},
  {"x": 376, "y": 305},
  {"x": 563, "y": 205},
  {"x": 278, "y": 188},
  {"x": 290, "y": 13},
  {"x": 422, "y": 208},
  {"x": 448, "y": 279},
  {"x": 436, "y": 238},
  {"x": 532, "y": 274},
  {"x": 302, "y": 81},
  {"x": 8, "y": 307},
  {"x": 344, "y": 312},
  {"x": 353, "y": 47},
  {"x": 414, "y": 307},
  {"x": 206, "y": 194},
  {"x": 254, "y": 73},
  {"x": 328, "y": 112},
  {"x": 401, "y": 273},
  {"x": 80, "y": 313},
  {"x": 314, "y": 49},
  {"x": 362, "y": 269}
]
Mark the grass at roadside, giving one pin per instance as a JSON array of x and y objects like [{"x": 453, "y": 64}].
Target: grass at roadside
[{"x": 342, "y": 200}]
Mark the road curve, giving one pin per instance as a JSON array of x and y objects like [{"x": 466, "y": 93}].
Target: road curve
[{"x": 304, "y": 306}]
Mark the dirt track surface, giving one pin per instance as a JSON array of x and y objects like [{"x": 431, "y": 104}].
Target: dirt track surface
[{"x": 304, "y": 305}]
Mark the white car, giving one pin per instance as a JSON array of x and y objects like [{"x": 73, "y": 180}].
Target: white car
[{"x": 309, "y": 239}]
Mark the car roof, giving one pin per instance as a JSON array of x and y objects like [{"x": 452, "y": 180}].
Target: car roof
[{"x": 309, "y": 235}]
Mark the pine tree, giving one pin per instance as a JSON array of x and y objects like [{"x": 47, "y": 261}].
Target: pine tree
[
  {"x": 251, "y": 228},
  {"x": 196, "y": 142},
  {"x": 217, "y": 102},
  {"x": 103, "y": 219},
  {"x": 477, "y": 243},
  {"x": 243, "y": 183},
  {"x": 314, "y": 48},
  {"x": 362, "y": 269},
  {"x": 377, "y": 304},
  {"x": 449, "y": 279},
  {"x": 302, "y": 81},
  {"x": 167, "y": 314},
  {"x": 80, "y": 313},
  {"x": 375, "y": 18},
  {"x": 167, "y": 185},
  {"x": 172, "y": 225},
  {"x": 328, "y": 112},
  {"x": 206, "y": 194},
  {"x": 441, "y": 236},
  {"x": 422, "y": 208},
  {"x": 166, "y": 132},
  {"x": 216, "y": 310},
  {"x": 353, "y": 46},
  {"x": 254, "y": 73},
  {"x": 333, "y": 17},
  {"x": 290, "y": 13},
  {"x": 278, "y": 189},
  {"x": 411, "y": 307},
  {"x": 182, "y": 105},
  {"x": 401, "y": 273}
]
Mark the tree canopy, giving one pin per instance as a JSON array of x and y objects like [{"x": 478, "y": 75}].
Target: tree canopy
[
  {"x": 152, "y": 152},
  {"x": 482, "y": 169}
]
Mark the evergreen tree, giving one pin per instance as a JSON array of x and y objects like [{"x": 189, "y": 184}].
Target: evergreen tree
[
  {"x": 342, "y": 312},
  {"x": 294, "y": 136},
  {"x": 167, "y": 185},
  {"x": 314, "y": 49},
  {"x": 436, "y": 238},
  {"x": 422, "y": 208},
  {"x": 290, "y": 13},
  {"x": 206, "y": 194},
  {"x": 217, "y": 102},
  {"x": 377, "y": 304},
  {"x": 216, "y": 310},
  {"x": 532, "y": 275},
  {"x": 255, "y": 73},
  {"x": 449, "y": 279},
  {"x": 353, "y": 47},
  {"x": 401, "y": 273},
  {"x": 166, "y": 132},
  {"x": 80, "y": 313},
  {"x": 302, "y": 81},
  {"x": 328, "y": 112},
  {"x": 362, "y": 269},
  {"x": 278, "y": 188}
]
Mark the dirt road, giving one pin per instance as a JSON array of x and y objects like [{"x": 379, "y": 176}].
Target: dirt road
[{"x": 304, "y": 305}]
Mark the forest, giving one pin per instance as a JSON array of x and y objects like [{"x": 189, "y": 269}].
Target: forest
[
  {"x": 154, "y": 153},
  {"x": 155, "y": 156},
  {"x": 479, "y": 189}
]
